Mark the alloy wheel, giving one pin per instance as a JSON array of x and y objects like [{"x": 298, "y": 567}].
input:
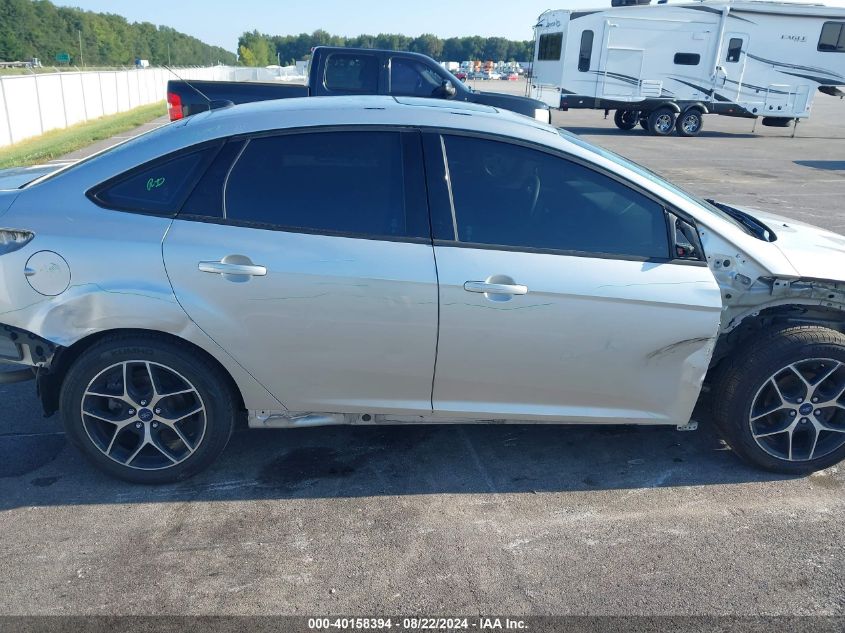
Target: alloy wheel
[
  {"x": 663, "y": 123},
  {"x": 143, "y": 415},
  {"x": 690, "y": 124},
  {"x": 799, "y": 413}
]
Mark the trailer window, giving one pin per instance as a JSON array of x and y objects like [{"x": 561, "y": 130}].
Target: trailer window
[
  {"x": 832, "y": 39},
  {"x": 551, "y": 45},
  {"x": 734, "y": 49},
  {"x": 687, "y": 59},
  {"x": 586, "y": 51}
]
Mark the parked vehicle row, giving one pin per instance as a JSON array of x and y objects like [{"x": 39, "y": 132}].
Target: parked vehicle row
[{"x": 394, "y": 260}]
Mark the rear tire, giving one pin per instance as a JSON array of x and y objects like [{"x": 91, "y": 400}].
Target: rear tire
[
  {"x": 661, "y": 122},
  {"x": 780, "y": 401},
  {"x": 626, "y": 119},
  {"x": 147, "y": 410},
  {"x": 689, "y": 123}
]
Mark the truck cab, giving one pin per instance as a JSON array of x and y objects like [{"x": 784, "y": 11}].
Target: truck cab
[{"x": 334, "y": 72}]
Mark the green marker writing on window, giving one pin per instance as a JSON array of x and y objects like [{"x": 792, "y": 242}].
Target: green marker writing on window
[{"x": 155, "y": 183}]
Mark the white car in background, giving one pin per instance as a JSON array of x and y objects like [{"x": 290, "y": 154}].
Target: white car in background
[{"x": 377, "y": 260}]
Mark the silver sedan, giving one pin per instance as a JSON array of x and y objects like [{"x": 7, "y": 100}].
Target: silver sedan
[{"x": 369, "y": 260}]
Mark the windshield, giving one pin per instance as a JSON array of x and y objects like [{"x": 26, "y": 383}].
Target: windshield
[{"x": 650, "y": 175}]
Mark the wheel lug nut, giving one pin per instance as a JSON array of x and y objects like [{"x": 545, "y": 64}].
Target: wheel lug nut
[
  {"x": 155, "y": 425},
  {"x": 143, "y": 403},
  {"x": 818, "y": 411},
  {"x": 131, "y": 412},
  {"x": 804, "y": 420},
  {"x": 800, "y": 400},
  {"x": 792, "y": 413},
  {"x": 815, "y": 399},
  {"x": 138, "y": 425},
  {"x": 158, "y": 411}
]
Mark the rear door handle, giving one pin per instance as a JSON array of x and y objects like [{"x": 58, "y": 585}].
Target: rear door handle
[
  {"x": 484, "y": 287},
  {"x": 226, "y": 268}
]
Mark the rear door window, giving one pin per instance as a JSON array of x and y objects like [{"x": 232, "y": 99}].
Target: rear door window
[
  {"x": 350, "y": 183},
  {"x": 515, "y": 196},
  {"x": 352, "y": 73},
  {"x": 158, "y": 187}
]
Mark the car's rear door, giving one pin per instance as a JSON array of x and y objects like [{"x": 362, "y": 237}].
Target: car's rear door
[
  {"x": 558, "y": 296},
  {"x": 307, "y": 256}
]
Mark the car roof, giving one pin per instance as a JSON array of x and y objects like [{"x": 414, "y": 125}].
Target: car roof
[{"x": 283, "y": 114}]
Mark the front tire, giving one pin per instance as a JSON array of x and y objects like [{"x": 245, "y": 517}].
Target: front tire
[
  {"x": 780, "y": 402},
  {"x": 147, "y": 410}
]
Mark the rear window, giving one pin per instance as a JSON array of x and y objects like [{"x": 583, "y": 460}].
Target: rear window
[
  {"x": 350, "y": 73},
  {"x": 159, "y": 187},
  {"x": 550, "y": 47}
]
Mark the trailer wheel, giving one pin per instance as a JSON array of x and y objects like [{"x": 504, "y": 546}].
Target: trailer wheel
[
  {"x": 689, "y": 123},
  {"x": 626, "y": 119},
  {"x": 644, "y": 121},
  {"x": 661, "y": 122}
]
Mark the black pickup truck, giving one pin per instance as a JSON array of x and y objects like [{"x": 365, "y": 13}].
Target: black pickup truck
[{"x": 349, "y": 71}]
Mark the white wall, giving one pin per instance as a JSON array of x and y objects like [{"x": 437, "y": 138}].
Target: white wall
[{"x": 33, "y": 104}]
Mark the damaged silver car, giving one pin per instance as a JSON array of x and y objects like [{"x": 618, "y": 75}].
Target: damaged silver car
[{"x": 370, "y": 260}]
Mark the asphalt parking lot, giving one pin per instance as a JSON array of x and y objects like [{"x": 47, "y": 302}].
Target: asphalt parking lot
[{"x": 455, "y": 519}]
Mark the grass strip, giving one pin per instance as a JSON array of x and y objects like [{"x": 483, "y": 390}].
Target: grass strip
[{"x": 60, "y": 142}]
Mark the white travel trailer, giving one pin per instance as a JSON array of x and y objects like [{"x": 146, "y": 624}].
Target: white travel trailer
[{"x": 664, "y": 66}]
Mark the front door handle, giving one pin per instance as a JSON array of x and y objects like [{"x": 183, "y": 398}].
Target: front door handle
[{"x": 484, "y": 287}]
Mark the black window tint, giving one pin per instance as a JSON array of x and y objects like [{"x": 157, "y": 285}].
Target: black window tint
[
  {"x": 734, "y": 50},
  {"x": 352, "y": 73},
  {"x": 586, "y": 53},
  {"x": 687, "y": 59},
  {"x": 335, "y": 182},
  {"x": 515, "y": 196},
  {"x": 550, "y": 47},
  {"x": 206, "y": 200},
  {"x": 412, "y": 78},
  {"x": 158, "y": 188},
  {"x": 832, "y": 39}
]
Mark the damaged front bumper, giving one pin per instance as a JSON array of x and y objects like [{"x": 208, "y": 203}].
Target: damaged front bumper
[{"x": 19, "y": 347}]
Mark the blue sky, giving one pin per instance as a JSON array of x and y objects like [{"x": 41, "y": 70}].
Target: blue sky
[{"x": 220, "y": 22}]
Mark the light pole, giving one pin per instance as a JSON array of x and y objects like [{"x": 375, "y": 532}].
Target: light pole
[{"x": 81, "y": 58}]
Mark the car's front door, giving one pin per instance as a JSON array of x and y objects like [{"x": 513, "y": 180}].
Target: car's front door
[
  {"x": 558, "y": 296},
  {"x": 307, "y": 256}
]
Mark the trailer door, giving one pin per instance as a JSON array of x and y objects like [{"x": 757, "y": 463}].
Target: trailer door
[{"x": 733, "y": 58}]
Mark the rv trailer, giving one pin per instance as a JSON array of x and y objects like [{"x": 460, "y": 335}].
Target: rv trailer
[{"x": 664, "y": 66}]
